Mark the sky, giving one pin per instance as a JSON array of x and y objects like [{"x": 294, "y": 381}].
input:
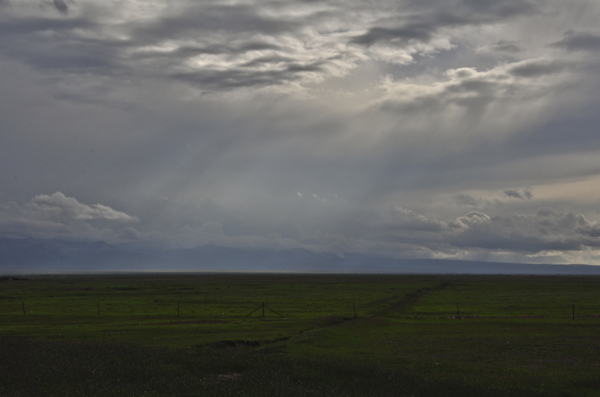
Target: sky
[{"x": 455, "y": 129}]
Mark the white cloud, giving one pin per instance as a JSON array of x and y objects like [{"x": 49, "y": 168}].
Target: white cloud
[
  {"x": 57, "y": 206},
  {"x": 59, "y": 216},
  {"x": 408, "y": 219},
  {"x": 546, "y": 230}
]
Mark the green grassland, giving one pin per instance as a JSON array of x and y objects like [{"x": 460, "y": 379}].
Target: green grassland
[{"x": 321, "y": 335}]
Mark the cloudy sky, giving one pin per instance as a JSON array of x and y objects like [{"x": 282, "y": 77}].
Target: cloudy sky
[{"x": 465, "y": 129}]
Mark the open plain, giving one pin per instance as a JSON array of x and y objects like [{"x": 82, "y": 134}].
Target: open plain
[{"x": 299, "y": 335}]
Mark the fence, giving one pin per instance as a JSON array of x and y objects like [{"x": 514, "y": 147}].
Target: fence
[{"x": 348, "y": 310}]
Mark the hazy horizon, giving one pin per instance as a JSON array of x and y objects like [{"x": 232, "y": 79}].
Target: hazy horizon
[{"x": 38, "y": 257}]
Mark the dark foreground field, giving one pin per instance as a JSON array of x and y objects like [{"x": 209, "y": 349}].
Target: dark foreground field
[{"x": 321, "y": 335}]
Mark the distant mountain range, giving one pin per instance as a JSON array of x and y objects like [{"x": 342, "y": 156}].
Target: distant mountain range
[{"x": 19, "y": 256}]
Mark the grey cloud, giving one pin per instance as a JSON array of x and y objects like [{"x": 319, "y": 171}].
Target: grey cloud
[
  {"x": 213, "y": 49},
  {"x": 402, "y": 35},
  {"x": 480, "y": 86},
  {"x": 501, "y": 9},
  {"x": 574, "y": 133},
  {"x": 476, "y": 92},
  {"x": 247, "y": 76},
  {"x": 591, "y": 231},
  {"x": 28, "y": 40},
  {"x": 28, "y": 228},
  {"x": 130, "y": 233},
  {"x": 465, "y": 200},
  {"x": 231, "y": 31},
  {"x": 79, "y": 57},
  {"x": 424, "y": 21},
  {"x": 513, "y": 193},
  {"x": 536, "y": 68},
  {"x": 507, "y": 46},
  {"x": 228, "y": 79},
  {"x": 266, "y": 60},
  {"x": 61, "y": 6},
  {"x": 575, "y": 41},
  {"x": 242, "y": 30},
  {"x": 29, "y": 25},
  {"x": 96, "y": 53},
  {"x": 232, "y": 19}
]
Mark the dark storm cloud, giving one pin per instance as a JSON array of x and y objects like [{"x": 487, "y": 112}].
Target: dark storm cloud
[{"x": 578, "y": 41}]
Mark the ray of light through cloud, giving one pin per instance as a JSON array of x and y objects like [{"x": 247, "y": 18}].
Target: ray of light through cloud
[{"x": 443, "y": 129}]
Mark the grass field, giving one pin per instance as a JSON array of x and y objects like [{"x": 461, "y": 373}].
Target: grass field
[{"x": 329, "y": 335}]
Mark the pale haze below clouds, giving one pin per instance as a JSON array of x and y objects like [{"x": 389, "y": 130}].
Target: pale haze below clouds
[{"x": 445, "y": 129}]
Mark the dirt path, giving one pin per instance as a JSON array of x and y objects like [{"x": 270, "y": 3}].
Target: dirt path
[{"x": 398, "y": 304}]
